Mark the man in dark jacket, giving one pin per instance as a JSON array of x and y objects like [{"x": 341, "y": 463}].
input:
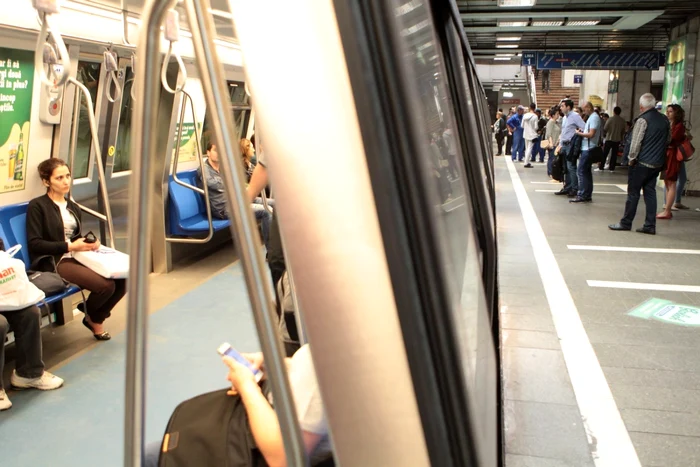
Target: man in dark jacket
[
  {"x": 647, "y": 156},
  {"x": 29, "y": 371}
]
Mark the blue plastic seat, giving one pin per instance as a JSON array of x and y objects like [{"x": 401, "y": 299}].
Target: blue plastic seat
[
  {"x": 186, "y": 208},
  {"x": 13, "y": 231}
]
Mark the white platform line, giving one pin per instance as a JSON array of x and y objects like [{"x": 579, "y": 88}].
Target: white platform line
[
  {"x": 595, "y": 192},
  {"x": 671, "y": 251},
  {"x": 622, "y": 187},
  {"x": 594, "y": 184},
  {"x": 645, "y": 286},
  {"x": 608, "y": 437}
]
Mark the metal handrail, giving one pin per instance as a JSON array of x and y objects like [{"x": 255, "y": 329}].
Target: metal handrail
[
  {"x": 164, "y": 70},
  {"x": 107, "y": 216},
  {"x": 244, "y": 228},
  {"x": 133, "y": 71},
  {"x": 205, "y": 188},
  {"x": 125, "y": 24},
  {"x": 47, "y": 28}
]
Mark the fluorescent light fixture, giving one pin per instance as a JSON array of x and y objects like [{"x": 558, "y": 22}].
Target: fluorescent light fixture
[
  {"x": 507, "y": 94},
  {"x": 501, "y": 58},
  {"x": 582, "y": 22},
  {"x": 516, "y": 3},
  {"x": 509, "y": 38},
  {"x": 512, "y": 24},
  {"x": 547, "y": 23},
  {"x": 505, "y": 55},
  {"x": 507, "y": 46}
]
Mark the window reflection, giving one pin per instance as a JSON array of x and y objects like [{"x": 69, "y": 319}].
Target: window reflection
[{"x": 89, "y": 75}]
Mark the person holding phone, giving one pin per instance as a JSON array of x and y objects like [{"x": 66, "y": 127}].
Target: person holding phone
[
  {"x": 262, "y": 419},
  {"x": 54, "y": 234}
]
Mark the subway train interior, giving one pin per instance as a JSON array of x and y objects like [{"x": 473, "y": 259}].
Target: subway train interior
[{"x": 289, "y": 239}]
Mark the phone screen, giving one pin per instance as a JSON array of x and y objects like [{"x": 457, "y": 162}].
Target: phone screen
[{"x": 227, "y": 350}]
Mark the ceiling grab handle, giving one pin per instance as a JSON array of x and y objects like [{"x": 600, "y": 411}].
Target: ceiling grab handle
[
  {"x": 45, "y": 9},
  {"x": 172, "y": 34},
  {"x": 133, "y": 80},
  {"x": 111, "y": 67},
  {"x": 107, "y": 216},
  {"x": 143, "y": 146},
  {"x": 243, "y": 226},
  {"x": 125, "y": 24}
]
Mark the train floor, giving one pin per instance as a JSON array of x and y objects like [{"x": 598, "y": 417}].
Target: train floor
[
  {"x": 599, "y": 356},
  {"x": 193, "y": 310}
]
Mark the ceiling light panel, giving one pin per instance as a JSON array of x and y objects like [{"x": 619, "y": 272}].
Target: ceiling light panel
[
  {"x": 501, "y": 58},
  {"x": 582, "y": 22},
  {"x": 509, "y": 38},
  {"x": 507, "y": 46},
  {"x": 512, "y": 24},
  {"x": 547, "y": 23},
  {"x": 516, "y": 3}
]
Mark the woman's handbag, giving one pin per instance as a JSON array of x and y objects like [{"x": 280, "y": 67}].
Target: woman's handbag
[
  {"x": 107, "y": 262},
  {"x": 546, "y": 144},
  {"x": 685, "y": 151},
  {"x": 16, "y": 292}
]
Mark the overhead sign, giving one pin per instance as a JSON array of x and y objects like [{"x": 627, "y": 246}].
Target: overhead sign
[
  {"x": 593, "y": 60},
  {"x": 667, "y": 311},
  {"x": 578, "y": 79}
]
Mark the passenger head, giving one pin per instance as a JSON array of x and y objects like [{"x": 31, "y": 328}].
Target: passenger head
[
  {"x": 246, "y": 148},
  {"x": 252, "y": 141},
  {"x": 55, "y": 175},
  {"x": 675, "y": 113},
  {"x": 553, "y": 114},
  {"x": 212, "y": 154},
  {"x": 533, "y": 106},
  {"x": 566, "y": 106},
  {"x": 579, "y": 110},
  {"x": 521, "y": 110},
  {"x": 617, "y": 111},
  {"x": 588, "y": 108},
  {"x": 647, "y": 101}
]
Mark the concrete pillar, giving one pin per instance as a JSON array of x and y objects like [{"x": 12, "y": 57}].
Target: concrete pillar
[{"x": 631, "y": 87}]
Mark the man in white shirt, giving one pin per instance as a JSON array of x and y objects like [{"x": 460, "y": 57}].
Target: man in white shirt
[{"x": 530, "y": 120}]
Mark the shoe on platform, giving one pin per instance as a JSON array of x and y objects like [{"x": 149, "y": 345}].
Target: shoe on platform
[
  {"x": 679, "y": 206},
  {"x": 45, "y": 382},
  {"x": 661, "y": 215},
  {"x": 561, "y": 192},
  {"x": 528, "y": 166},
  {"x": 619, "y": 227},
  {"x": 4, "y": 400},
  {"x": 645, "y": 230}
]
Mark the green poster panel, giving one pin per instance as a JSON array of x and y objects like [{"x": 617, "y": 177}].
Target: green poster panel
[
  {"x": 668, "y": 312},
  {"x": 674, "y": 76},
  {"x": 16, "y": 85}
]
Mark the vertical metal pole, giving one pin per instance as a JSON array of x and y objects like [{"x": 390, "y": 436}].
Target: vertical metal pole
[
  {"x": 143, "y": 146},
  {"x": 73, "y": 145},
  {"x": 245, "y": 233}
]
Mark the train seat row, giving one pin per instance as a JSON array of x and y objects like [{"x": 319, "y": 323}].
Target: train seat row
[{"x": 187, "y": 209}]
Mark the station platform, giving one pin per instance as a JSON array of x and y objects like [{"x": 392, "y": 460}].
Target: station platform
[{"x": 599, "y": 364}]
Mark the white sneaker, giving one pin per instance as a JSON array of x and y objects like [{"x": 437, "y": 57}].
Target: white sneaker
[
  {"x": 45, "y": 382},
  {"x": 4, "y": 400}
]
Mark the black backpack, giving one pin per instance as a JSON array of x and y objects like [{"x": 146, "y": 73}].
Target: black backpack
[
  {"x": 210, "y": 430},
  {"x": 559, "y": 167}
]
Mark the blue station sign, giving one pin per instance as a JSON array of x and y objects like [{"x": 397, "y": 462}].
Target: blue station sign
[{"x": 593, "y": 60}]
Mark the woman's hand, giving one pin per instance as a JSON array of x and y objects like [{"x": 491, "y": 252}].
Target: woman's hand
[
  {"x": 96, "y": 245},
  {"x": 80, "y": 245},
  {"x": 239, "y": 375}
]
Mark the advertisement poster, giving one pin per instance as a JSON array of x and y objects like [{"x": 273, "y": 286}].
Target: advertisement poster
[
  {"x": 188, "y": 143},
  {"x": 16, "y": 84},
  {"x": 674, "y": 76}
]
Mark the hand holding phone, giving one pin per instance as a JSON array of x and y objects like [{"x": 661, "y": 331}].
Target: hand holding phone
[{"x": 225, "y": 349}]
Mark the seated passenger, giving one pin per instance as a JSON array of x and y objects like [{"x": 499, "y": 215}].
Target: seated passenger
[
  {"x": 249, "y": 163},
  {"x": 54, "y": 233},
  {"x": 29, "y": 369},
  {"x": 262, "y": 418},
  {"x": 217, "y": 196}
]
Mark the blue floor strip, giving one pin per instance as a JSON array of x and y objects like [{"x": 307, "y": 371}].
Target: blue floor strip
[{"x": 82, "y": 424}]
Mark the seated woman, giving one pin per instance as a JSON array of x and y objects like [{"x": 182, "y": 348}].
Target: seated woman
[
  {"x": 54, "y": 232},
  {"x": 247, "y": 147},
  {"x": 29, "y": 368}
]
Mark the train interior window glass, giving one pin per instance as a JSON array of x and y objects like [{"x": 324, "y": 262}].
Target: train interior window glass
[
  {"x": 445, "y": 174},
  {"x": 122, "y": 159},
  {"x": 237, "y": 93},
  {"x": 89, "y": 75}
]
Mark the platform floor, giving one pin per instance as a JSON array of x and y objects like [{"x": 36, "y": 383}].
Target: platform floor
[{"x": 585, "y": 382}]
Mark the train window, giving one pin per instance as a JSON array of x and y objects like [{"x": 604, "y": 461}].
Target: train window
[
  {"x": 237, "y": 93},
  {"x": 445, "y": 174},
  {"x": 122, "y": 159},
  {"x": 240, "y": 106},
  {"x": 89, "y": 75}
]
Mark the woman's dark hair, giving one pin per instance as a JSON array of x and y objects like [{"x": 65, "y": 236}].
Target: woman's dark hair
[
  {"x": 47, "y": 167},
  {"x": 252, "y": 139},
  {"x": 678, "y": 113},
  {"x": 553, "y": 112}
]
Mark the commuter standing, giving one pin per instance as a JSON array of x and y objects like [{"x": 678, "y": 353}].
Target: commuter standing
[
  {"x": 551, "y": 135},
  {"x": 591, "y": 138},
  {"x": 572, "y": 121},
  {"x": 676, "y": 116},
  {"x": 500, "y": 131},
  {"x": 529, "y": 125},
  {"x": 614, "y": 133},
  {"x": 515, "y": 125},
  {"x": 509, "y": 134},
  {"x": 647, "y": 155}
]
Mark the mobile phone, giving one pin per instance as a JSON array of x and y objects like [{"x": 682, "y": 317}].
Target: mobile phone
[
  {"x": 225, "y": 349},
  {"x": 90, "y": 238}
]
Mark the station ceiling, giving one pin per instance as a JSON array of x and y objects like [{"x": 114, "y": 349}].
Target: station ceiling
[{"x": 573, "y": 25}]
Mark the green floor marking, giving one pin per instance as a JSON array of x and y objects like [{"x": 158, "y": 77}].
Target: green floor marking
[{"x": 667, "y": 311}]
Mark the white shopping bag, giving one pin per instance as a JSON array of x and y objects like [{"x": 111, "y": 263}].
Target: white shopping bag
[
  {"x": 107, "y": 262},
  {"x": 16, "y": 292}
]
